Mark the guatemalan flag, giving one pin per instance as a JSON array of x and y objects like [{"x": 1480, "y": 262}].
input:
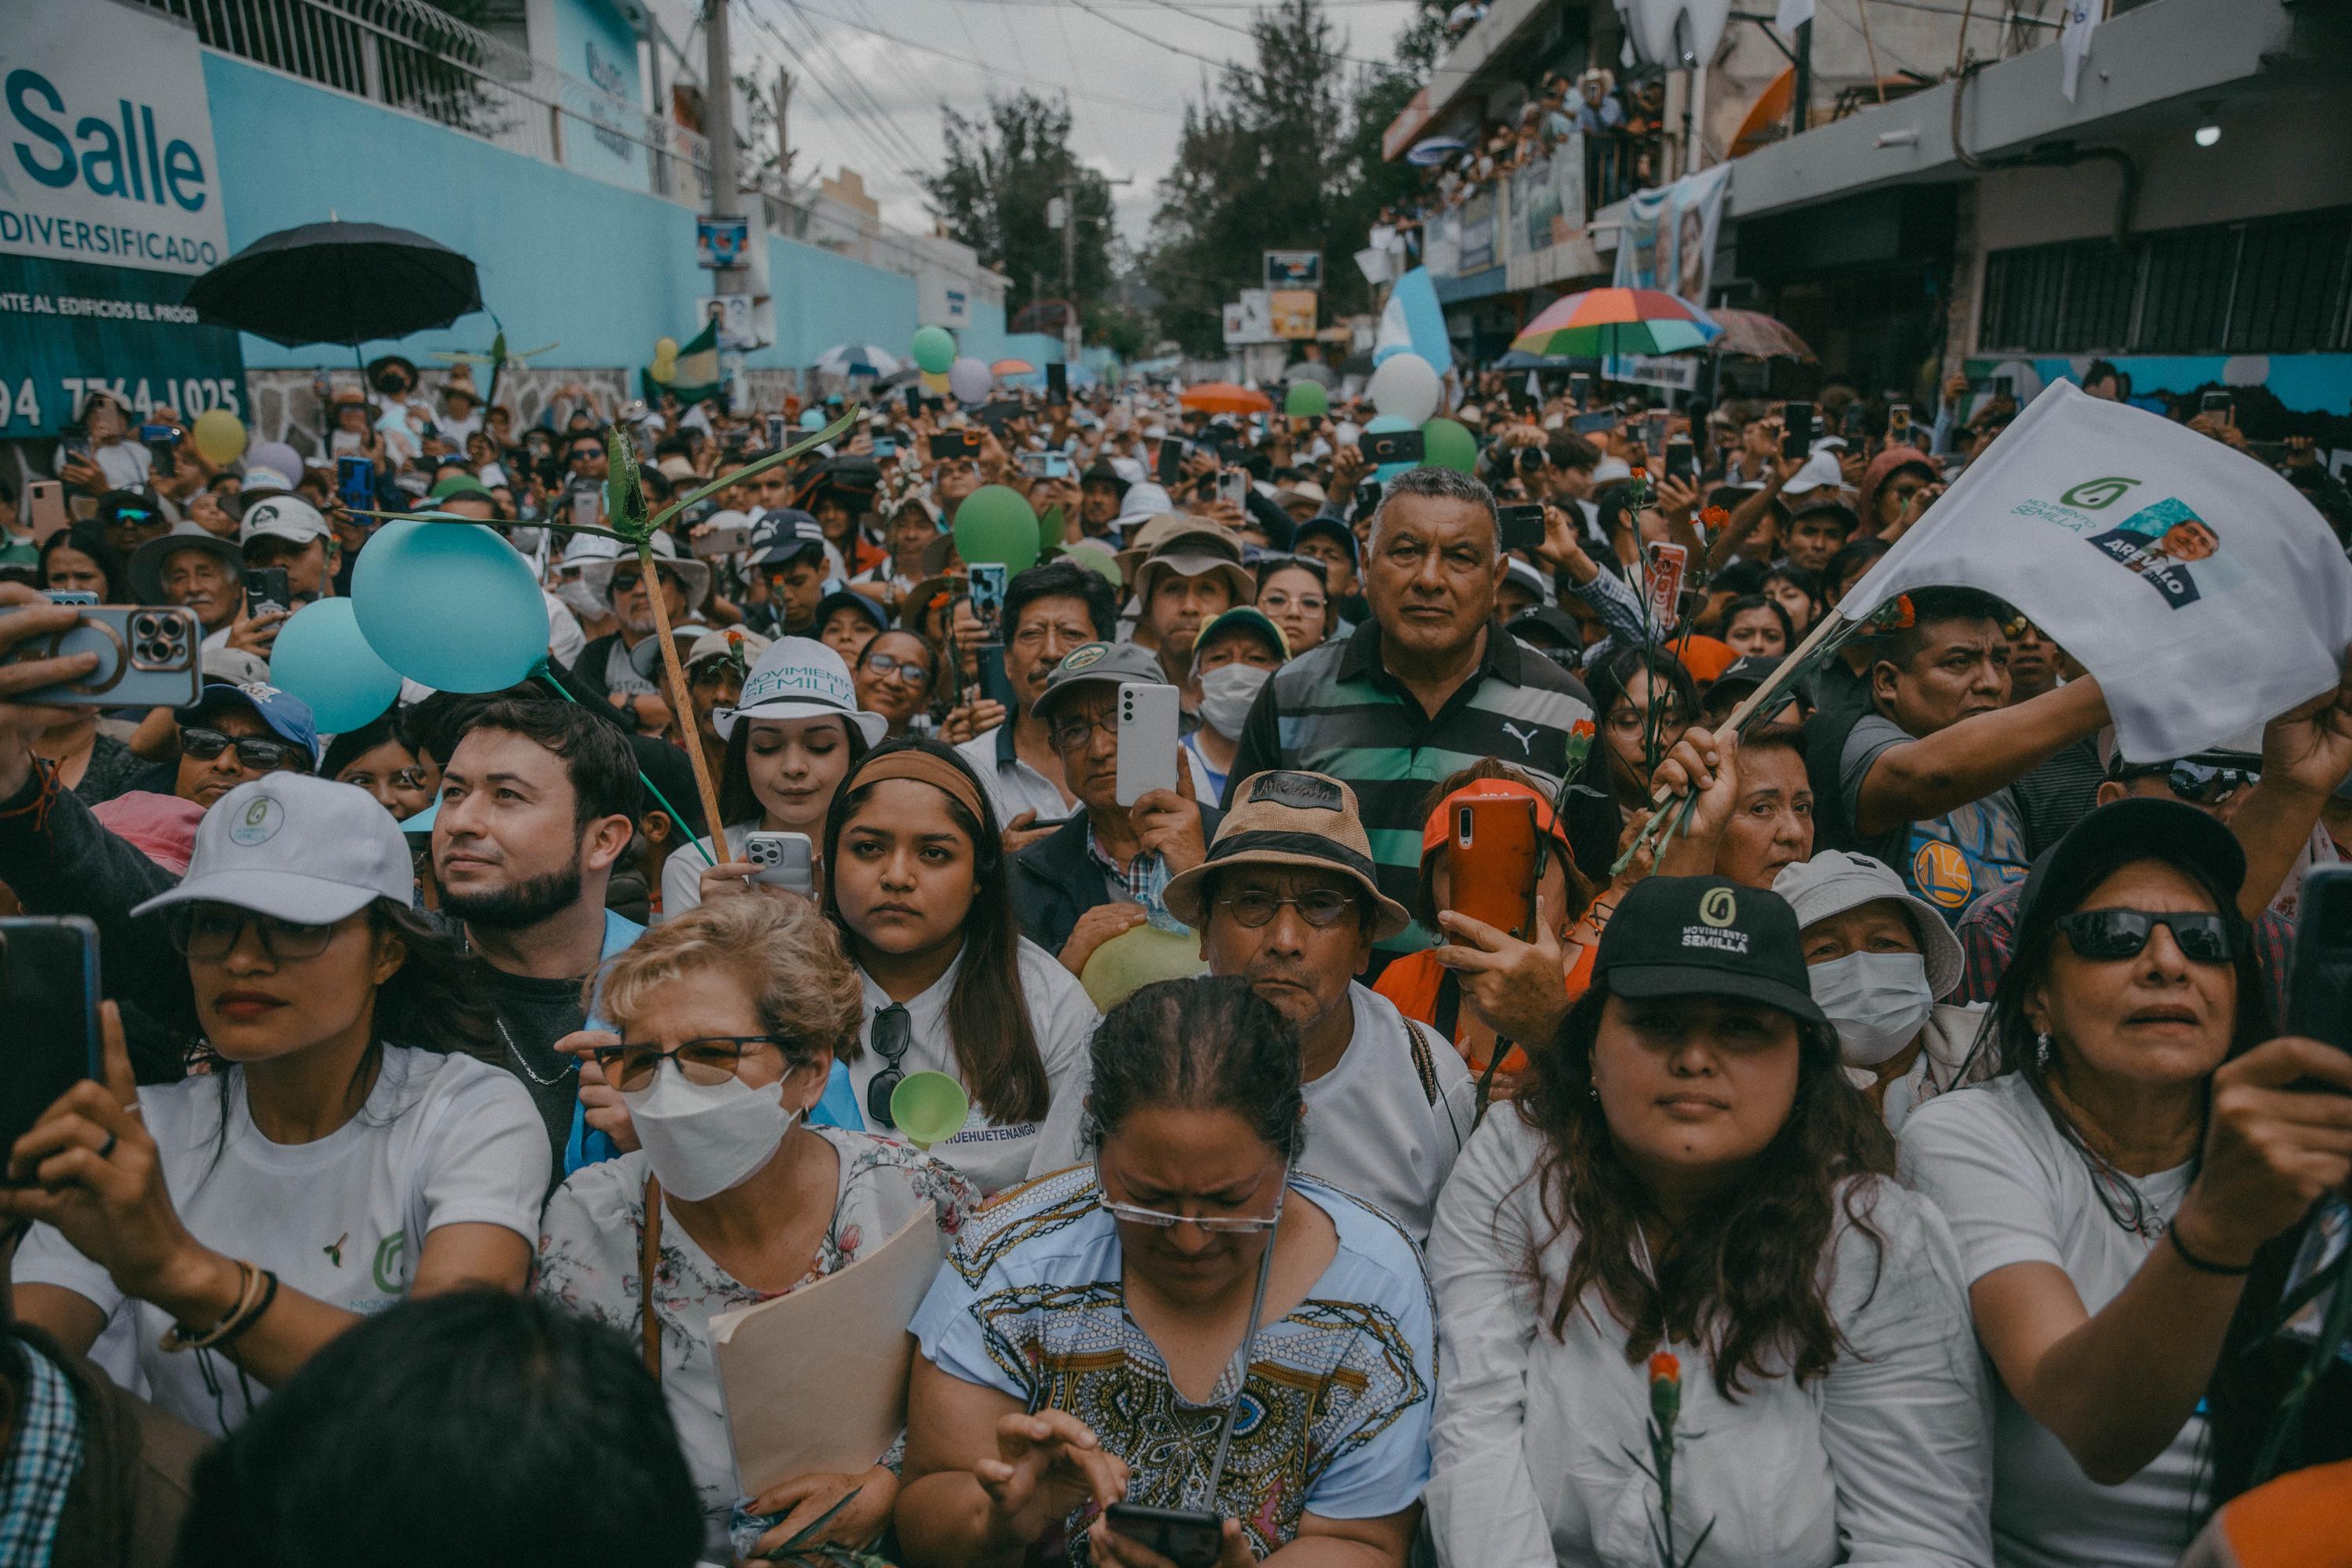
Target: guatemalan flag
[{"x": 2202, "y": 590}]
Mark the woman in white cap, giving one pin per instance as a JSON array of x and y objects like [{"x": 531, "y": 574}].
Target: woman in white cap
[
  {"x": 347, "y": 1151},
  {"x": 790, "y": 737},
  {"x": 1881, "y": 962}
]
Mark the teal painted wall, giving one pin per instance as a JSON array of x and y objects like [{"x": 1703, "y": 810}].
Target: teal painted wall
[
  {"x": 594, "y": 44},
  {"x": 563, "y": 257}
]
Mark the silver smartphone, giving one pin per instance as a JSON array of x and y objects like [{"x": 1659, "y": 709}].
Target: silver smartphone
[
  {"x": 147, "y": 658},
  {"x": 786, "y": 860},
  {"x": 1148, "y": 719}
]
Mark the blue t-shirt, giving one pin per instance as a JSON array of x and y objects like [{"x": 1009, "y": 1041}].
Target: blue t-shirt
[{"x": 1336, "y": 1407}]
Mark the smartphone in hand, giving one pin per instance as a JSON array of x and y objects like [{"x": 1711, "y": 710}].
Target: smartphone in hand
[
  {"x": 1149, "y": 716},
  {"x": 1797, "y": 430},
  {"x": 49, "y": 992}
]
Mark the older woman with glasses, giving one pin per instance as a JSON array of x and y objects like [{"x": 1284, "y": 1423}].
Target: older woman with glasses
[
  {"x": 2129, "y": 1190},
  {"x": 1185, "y": 1324},
  {"x": 729, "y": 1017},
  {"x": 348, "y": 1150},
  {"x": 894, "y": 680}
]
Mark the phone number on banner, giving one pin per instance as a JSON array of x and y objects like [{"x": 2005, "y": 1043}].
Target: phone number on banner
[{"x": 21, "y": 410}]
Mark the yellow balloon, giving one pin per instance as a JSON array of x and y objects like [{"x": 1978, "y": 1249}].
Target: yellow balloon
[
  {"x": 935, "y": 381},
  {"x": 1134, "y": 959},
  {"x": 218, "y": 436},
  {"x": 664, "y": 359}
]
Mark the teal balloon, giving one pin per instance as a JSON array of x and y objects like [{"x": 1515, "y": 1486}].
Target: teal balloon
[
  {"x": 322, "y": 657},
  {"x": 934, "y": 348},
  {"x": 1306, "y": 400},
  {"x": 449, "y": 605},
  {"x": 994, "y": 525},
  {"x": 811, "y": 420},
  {"x": 1381, "y": 426},
  {"x": 1448, "y": 444}
]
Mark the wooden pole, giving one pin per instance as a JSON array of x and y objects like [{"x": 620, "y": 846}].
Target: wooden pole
[{"x": 681, "y": 704}]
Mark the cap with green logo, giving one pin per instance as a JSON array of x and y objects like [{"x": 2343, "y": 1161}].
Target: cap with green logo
[
  {"x": 1704, "y": 936},
  {"x": 296, "y": 848}
]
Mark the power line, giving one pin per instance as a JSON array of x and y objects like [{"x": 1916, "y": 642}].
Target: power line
[
  {"x": 855, "y": 84},
  {"x": 982, "y": 66},
  {"x": 854, "y": 121},
  {"x": 1249, "y": 32}
]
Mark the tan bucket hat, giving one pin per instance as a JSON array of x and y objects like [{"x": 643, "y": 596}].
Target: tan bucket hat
[{"x": 1287, "y": 818}]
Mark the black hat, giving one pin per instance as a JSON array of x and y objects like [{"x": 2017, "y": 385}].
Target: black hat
[
  {"x": 1706, "y": 936},
  {"x": 1330, "y": 525},
  {"x": 1544, "y": 626},
  {"x": 1100, "y": 472},
  {"x": 1746, "y": 673},
  {"x": 2133, "y": 829},
  {"x": 784, "y": 534},
  {"x": 850, "y": 599}
]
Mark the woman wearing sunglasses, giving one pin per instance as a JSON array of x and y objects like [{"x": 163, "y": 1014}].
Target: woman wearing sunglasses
[
  {"x": 346, "y": 1151},
  {"x": 729, "y": 1017},
  {"x": 2135, "y": 1156},
  {"x": 1186, "y": 1323},
  {"x": 916, "y": 880}
]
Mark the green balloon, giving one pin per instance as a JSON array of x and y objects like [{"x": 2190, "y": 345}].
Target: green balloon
[
  {"x": 1306, "y": 400},
  {"x": 934, "y": 348},
  {"x": 929, "y": 1107},
  {"x": 1095, "y": 553},
  {"x": 1134, "y": 959},
  {"x": 995, "y": 525},
  {"x": 1448, "y": 444}
]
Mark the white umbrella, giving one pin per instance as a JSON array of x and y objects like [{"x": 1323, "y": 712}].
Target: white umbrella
[{"x": 857, "y": 359}]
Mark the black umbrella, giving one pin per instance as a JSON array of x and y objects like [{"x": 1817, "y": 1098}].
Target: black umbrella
[{"x": 338, "y": 283}]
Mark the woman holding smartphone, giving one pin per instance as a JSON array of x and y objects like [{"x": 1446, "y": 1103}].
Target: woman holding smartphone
[
  {"x": 791, "y": 736},
  {"x": 918, "y": 881},
  {"x": 1079, "y": 1349},
  {"x": 349, "y": 1148}
]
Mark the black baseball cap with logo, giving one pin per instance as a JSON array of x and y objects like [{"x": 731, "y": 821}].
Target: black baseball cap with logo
[{"x": 1706, "y": 936}]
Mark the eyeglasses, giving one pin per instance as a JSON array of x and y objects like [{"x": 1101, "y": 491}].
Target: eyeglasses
[
  {"x": 1072, "y": 730},
  {"x": 2107, "y": 936},
  {"x": 208, "y": 932},
  {"x": 2197, "y": 782},
  {"x": 1216, "y": 1225},
  {"x": 255, "y": 751},
  {"x": 893, "y": 1034},
  {"x": 712, "y": 1059},
  {"x": 1317, "y": 908},
  {"x": 1277, "y": 600},
  {"x": 906, "y": 671}
]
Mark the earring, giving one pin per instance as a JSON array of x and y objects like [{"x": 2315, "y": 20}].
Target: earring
[
  {"x": 2041, "y": 1049},
  {"x": 1592, "y": 1088}
]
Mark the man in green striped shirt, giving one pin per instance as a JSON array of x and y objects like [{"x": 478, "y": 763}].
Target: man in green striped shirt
[{"x": 1431, "y": 684}]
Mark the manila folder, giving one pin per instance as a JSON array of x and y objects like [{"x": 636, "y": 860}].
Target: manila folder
[{"x": 814, "y": 1382}]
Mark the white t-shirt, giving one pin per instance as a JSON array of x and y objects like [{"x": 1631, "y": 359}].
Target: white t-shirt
[
  {"x": 682, "y": 872},
  {"x": 1063, "y": 1019},
  {"x": 1541, "y": 1439},
  {"x": 1372, "y": 1126},
  {"x": 443, "y": 1139},
  {"x": 565, "y": 639},
  {"x": 2016, "y": 1191}
]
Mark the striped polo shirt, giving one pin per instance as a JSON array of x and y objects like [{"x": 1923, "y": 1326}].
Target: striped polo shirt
[{"x": 1336, "y": 710}]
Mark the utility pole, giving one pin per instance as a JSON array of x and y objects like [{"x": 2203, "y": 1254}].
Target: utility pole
[
  {"x": 661, "y": 110},
  {"x": 783, "y": 143},
  {"x": 726, "y": 198},
  {"x": 1069, "y": 270},
  {"x": 1801, "y": 100}
]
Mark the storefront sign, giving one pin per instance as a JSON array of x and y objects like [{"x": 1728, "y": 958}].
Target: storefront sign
[
  {"x": 1679, "y": 372},
  {"x": 66, "y": 327},
  {"x": 109, "y": 139},
  {"x": 1294, "y": 269}
]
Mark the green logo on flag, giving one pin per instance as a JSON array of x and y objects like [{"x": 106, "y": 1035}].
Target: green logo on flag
[{"x": 2092, "y": 494}]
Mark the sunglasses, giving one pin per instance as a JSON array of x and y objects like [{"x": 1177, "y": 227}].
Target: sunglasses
[
  {"x": 259, "y": 754},
  {"x": 2109, "y": 936},
  {"x": 893, "y": 1034},
  {"x": 208, "y": 932},
  {"x": 2200, "y": 782}
]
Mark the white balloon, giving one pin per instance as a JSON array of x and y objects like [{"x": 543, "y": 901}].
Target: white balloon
[
  {"x": 970, "y": 380},
  {"x": 1405, "y": 385}
]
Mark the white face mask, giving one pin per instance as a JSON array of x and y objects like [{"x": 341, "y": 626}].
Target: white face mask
[
  {"x": 1876, "y": 1000},
  {"x": 1226, "y": 693},
  {"x": 703, "y": 1139}
]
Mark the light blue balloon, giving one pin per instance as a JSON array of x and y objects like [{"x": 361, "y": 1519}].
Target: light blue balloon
[
  {"x": 449, "y": 605},
  {"x": 811, "y": 420},
  {"x": 1381, "y": 425},
  {"x": 322, "y": 657}
]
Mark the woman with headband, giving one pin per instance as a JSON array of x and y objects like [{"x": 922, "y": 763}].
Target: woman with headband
[{"x": 916, "y": 880}]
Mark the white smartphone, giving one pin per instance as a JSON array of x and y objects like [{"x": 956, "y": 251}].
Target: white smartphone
[
  {"x": 786, "y": 860},
  {"x": 1148, "y": 719}
]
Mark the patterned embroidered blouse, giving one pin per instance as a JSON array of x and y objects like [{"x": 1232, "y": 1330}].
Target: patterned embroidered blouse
[
  {"x": 1335, "y": 1408},
  {"x": 588, "y": 1248}
]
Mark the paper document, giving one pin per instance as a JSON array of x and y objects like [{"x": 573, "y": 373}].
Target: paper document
[{"x": 814, "y": 1382}]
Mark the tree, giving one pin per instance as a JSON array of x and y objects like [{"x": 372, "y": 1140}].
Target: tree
[
  {"x": 1274, "y": 158},
  {"x": 1002, "y": 171}
]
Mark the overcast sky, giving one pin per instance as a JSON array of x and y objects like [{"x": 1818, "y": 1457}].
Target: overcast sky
[{"x": 872, "y": 101}]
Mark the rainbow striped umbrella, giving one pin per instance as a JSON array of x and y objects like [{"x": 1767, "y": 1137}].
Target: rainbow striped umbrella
[{"x": 1617, "y": 321}]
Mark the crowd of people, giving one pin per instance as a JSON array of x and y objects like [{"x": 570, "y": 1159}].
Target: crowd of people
[{"x": 1901, "y": 1161}]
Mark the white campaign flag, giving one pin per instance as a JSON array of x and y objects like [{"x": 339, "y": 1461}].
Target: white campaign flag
[{"x": 2200, "y": 588}]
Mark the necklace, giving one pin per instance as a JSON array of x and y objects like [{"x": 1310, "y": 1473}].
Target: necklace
[{"x": 570, "y": 1067}]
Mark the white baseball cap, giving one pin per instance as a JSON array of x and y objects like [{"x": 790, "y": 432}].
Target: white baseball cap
[
  {"x": 296, "y": 848},
  {"x": 1821, "y": 469},
  {"x": 282, "y": 517},
  {"x": 1833, "y": 882},
  {"x": 799, "y": 678}
]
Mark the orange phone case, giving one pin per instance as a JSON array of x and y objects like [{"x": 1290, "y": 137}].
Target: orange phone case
[{"x": 1493, "y": 850}]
